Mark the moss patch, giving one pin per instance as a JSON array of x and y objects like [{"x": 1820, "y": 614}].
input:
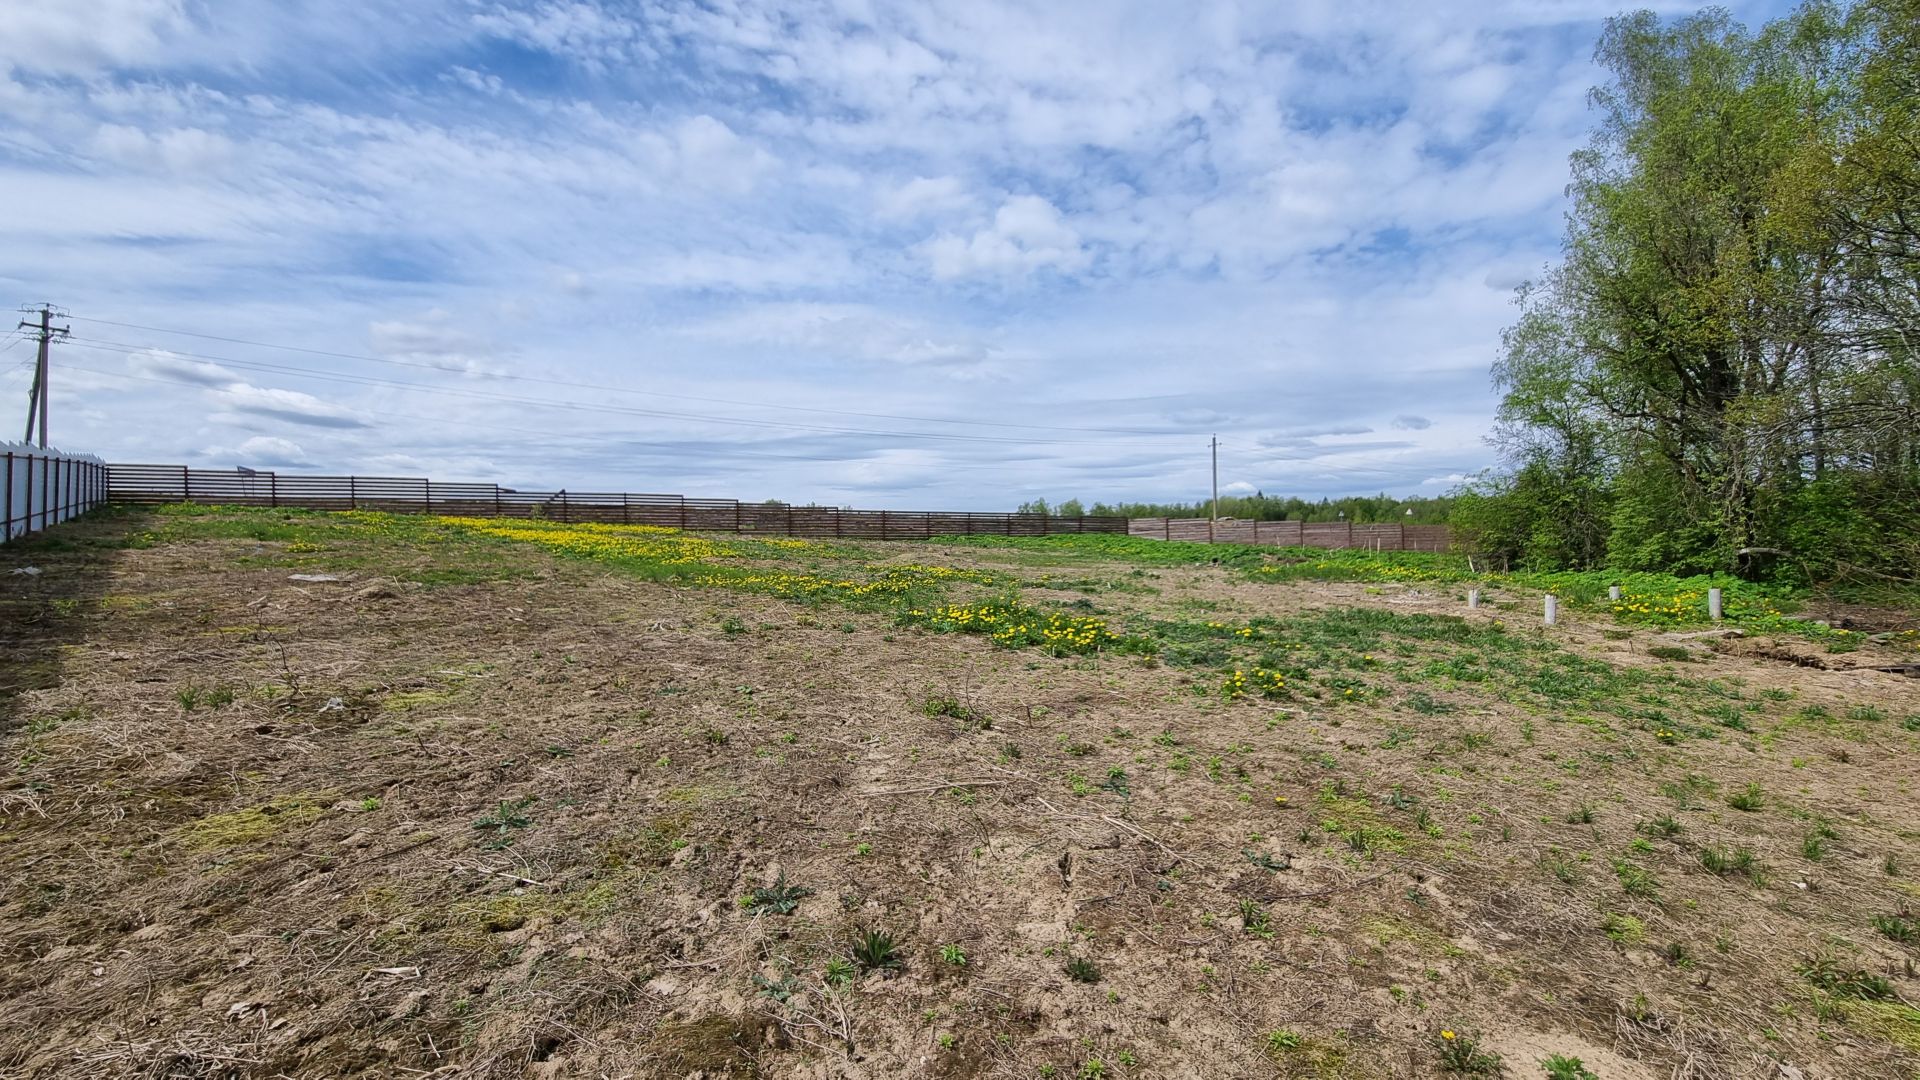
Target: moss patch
[{"x": 254, "y": 823}]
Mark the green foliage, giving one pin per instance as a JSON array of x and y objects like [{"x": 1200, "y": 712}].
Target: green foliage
[
  {"x": 1082, "y": 970},
  {"x": 1263, "y": 507},
  {"x": 1720, "y": 374},
  {"x": 779, "y": 898},
  {"x": 1461, "y": 1053},
  {"x": 875, "y": 950},
  {"x": 1561, "y": 1067},
  {"x": 1844, "y": 982}
]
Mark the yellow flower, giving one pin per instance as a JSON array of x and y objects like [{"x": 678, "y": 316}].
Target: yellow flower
[{"x": 1447, "y": 1034}]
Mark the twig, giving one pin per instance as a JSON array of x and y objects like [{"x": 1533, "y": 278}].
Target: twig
[
  {"x": 1329, "y": 891},
  {"x": 501, "y": 874},
  {"x": 931, "y": 787}
]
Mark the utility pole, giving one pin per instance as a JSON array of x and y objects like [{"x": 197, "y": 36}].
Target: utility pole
[
  {"x": 37, "y": 396},
  {"x": 1216, "y": 466}
]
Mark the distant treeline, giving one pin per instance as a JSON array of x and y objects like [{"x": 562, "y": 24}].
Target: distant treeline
[{"x": 1262, "y": 507}]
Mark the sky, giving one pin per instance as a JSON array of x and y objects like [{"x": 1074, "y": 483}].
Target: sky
[{"x": 950, "y": 254}]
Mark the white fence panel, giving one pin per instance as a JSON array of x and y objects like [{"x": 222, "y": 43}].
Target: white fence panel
[{"x": 40, "y": 487}]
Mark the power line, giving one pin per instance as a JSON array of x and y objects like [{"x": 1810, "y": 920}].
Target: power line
[{"x": 628, "y": 390}]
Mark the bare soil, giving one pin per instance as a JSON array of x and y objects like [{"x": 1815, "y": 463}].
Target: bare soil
[{"x": 369, "y": 827}]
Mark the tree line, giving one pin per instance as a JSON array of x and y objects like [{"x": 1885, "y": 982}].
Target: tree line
[
  {"x": 1720, "y": 372},
  {"x": 1416, "y": 510}
]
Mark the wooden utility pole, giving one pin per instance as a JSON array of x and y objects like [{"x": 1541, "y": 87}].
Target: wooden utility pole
[{"x": 37, "y": 396}]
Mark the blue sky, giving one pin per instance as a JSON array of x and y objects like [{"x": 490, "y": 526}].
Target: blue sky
[{"x": 892, "y": 255}]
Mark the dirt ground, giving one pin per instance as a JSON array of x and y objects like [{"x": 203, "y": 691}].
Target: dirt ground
[{"x": 393, "y": 825}]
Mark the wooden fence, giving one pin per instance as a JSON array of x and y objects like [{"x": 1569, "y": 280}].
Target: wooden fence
[
  {"x": 1320, "y": 534},
  {"x": 40, "y": 487},
  {"x": 235, "y": 487}
]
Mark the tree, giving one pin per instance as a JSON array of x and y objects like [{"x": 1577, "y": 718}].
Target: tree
[{"x": 1727, "y": 345}]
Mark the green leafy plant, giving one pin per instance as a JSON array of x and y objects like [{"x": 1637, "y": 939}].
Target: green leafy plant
[
  {"x": 876, "y": 950},
  {"x": 839, "y": 972},
  {"x": 953, "y": 955},
  {"x": 504, "y": 819},
  {"x": 1460, "y": 1052},
  {"x": 1841, "y": 981},
  {"x": 1749, "y": 798},
  {"x": 1726, "y": 862},
  {"x": 1665, "y": 826},
  {"x": 1561, "y": 1067},
  {"x": 1896, "y": 928},
  {"x": 1082, "y": 970},
  {"x": 780, "y": 898}
]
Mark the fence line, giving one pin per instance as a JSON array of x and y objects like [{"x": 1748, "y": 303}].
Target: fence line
[
  {"x": 1321, "y": 534},
  {"x": 241, "y": 487},
  {"x": 41, "y": 487}
]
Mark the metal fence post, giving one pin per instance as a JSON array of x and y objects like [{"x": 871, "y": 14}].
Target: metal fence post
[
  {"x": 353, "y": 494},
  {"x": 6, "y": 526}
]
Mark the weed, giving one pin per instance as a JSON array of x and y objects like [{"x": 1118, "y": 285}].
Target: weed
[
  {"x": 1750, "y": 798},
  {"x": 953, "y": 955},
  {"x": 779, "y": 898},
  {"x": 1728, "y": 863},
  {"x": 1840, "y": 981},
  {"x": 779, "y": 990},
  {"x": 1082, "y": 970},
  {"x": 1814, "y": 844},
  {"x": 732, "y": 626},
  {"x": 839, "y": 972},
  {"x": 1561, "y": 1067},
  {"x": 1665, "y": 826},
  {"x": 1254, "y": 919},
  {"x": 1674, "y": 653},
  {"x": 1896, "y": 928},
  {"x": 1636, "y": 880},
  {"x": 1461, "y": 1053},
  {"x": 1688, "y": 791},
  {"x": 1581, "y": 815},
  {"x": 1092, "y": 1069},
  {"x": 1284, "y": 1039},
  {"x": 1267, "y": 862},
  {"x": 1623, "y": 929},
  {"x": 505, "y": 818},
  {"x": 875, "y": 950}
]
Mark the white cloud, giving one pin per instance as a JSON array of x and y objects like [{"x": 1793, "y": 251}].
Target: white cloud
[
  {"x": 180, "y": 150},
  {"x": 165, "y": 365},
  {"x": 1027, "y": 234},
  {"x": 72, "y": 37},
  {"x": 923, "y": 197},
  {"x": 292, "y": 406},
  {"x": 1290, "y": 224},
  {"x": 261, "y": 451}
]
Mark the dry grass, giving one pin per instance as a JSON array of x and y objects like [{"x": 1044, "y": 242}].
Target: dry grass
[{"x": 505, "y": 813}]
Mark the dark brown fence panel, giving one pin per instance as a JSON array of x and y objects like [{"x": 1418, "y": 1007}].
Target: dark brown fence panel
[
  {"x": 1383, "y": 536},
  {"x": 176, "y": 483}
]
